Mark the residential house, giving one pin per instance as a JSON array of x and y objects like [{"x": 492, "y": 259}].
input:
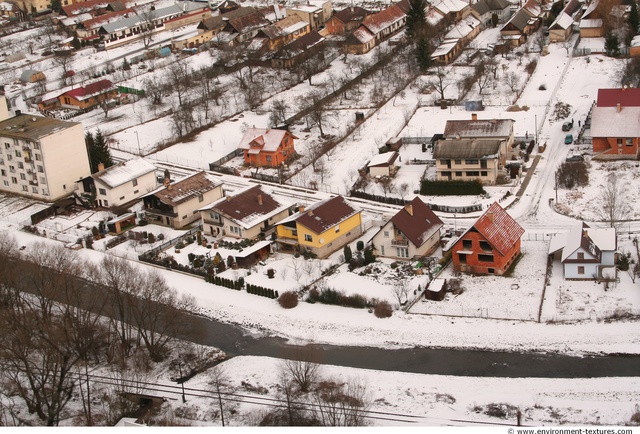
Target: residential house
[
  {"x": 241, "y": 25},
  {"x": 249, "y": 213},
  {"x": 322, "y": 228},
  {"x": 176, "y": 205},
  {"x": 383, "y": 164},
  {"x": 521, "y": 24},
  {"x": 120, "y": 184},
  {"x": 489, "y": 246},
  {"x": 634, "y": 47},
  {"x": 456, "y": 39},
  {"x": 584, "y": 251},
  {"x": 486, "y": 10},
  {"x": 562, "y": 27},
  {"x": 32, "y": 76},
  {"x": 299, "y": 50},
  {"x": 267, "y": 147},
  {"x": 592, "y": 22},
  {"x": 446, "y": 52},
  {"x": 412, "y": 232},
  {"x": 282, "y": 32},
  {"x": 91, "y": 95},
  {"x": 385, "y": 23},
  {"x": 346, "y": 20},
  {"x": 87, "y": 28},
  {"x": 11, "y": 10},
  {"x": 452, "y": 10},
  {"x": 615, "y": 129},
  {"x": 41, "y": 157},
  {"x": 314, "y": 12},
  {"x": 360, "y": 41},
  {"x": 4, "y": 108}
]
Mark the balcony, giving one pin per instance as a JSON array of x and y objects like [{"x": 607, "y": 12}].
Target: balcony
[
  {"x": 213, "y": 222},
  {"x": 161, "y": 212},
  {"x": 399, "y": 243},
  {"x": 33, "y": 182}
]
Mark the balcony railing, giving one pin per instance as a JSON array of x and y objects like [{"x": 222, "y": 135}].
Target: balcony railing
[
  {"x": 213, "y": 222},
  {"x": 400, "y": 243},
  {"x": 163, "y": 212}
]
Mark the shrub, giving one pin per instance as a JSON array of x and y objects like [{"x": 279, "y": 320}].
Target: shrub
[
  {"x": 151, "y": 238},
  {"x": 288, "y": 300},
  {"x": 531, "y": 67},
  {"x": 160, "y": 237},
  {"x": 360, "y": 245},
  {"x": 271, "y": 273},
  {"x": 383, "y": 310},
  {"x": 573, "y": 174},
  {"x": 451, "y": 188},
  {"x": 635, "y": 417},
  {"x": 623, "y": 262}
]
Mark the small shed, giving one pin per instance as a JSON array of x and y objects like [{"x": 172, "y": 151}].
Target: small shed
[
  {"x": 436, "y": 290},
  {"x": 121, "y": 223},
  {"x": 394, "y": 143},
  {"x": 383, "y": 164},
  {"x": 32, "y": 76}
]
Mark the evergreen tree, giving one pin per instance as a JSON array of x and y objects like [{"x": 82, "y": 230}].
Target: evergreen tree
[
  {"x": 416, "y": 19},
  {"x": 98, "y": 150},
  {"x": 612, "y": 44},
  {"x": 348, "y": 254},
  {"x": 76, "y": 43},
  {"x": 423, "y": 54},
  {"x": 633, "y": 21}
]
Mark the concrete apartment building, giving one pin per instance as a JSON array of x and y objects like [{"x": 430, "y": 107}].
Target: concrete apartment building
[{"x": 41, "y": 157}]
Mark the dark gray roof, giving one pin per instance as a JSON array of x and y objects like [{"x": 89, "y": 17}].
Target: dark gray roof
[{"x": 466, "y": 149}]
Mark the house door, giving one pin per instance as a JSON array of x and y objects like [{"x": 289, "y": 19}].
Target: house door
[{"x": 168, "y": 221}]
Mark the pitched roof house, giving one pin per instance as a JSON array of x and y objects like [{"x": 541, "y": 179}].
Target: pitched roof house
[
  {"x": 489, "y": 246},
  {"x": 412, "y": 231},
  {"x": 591, "y": 22},
  {"x": 584, "y": 251},
  {"x": 346, "y": 20},
  {"x": 298, "y": 50},
  {"x": 562, "y": 27},
  {"x": 383, "y": 164},
  {"x": 247, "y": 213},
  {"x": 89, "y": 96},
  {"x": 322, "y": 228},
  {"x": 283, "y": 31},
  {"x": 485, "y": 9},
  {"x": 121, "y": 183},
  {"x": 521, "y": 24},
  {"x": 176, "y": 205},
  {"x": 615, "y": 124},
  {"x": 267, "y": 146}
]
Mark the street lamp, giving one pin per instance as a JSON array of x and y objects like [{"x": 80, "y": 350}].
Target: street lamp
[
  {"x": 138, "y": 138},
  {"x": 182, "y": 381}
]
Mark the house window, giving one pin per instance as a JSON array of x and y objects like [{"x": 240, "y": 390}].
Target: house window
[
  {"x": 619, "y": 142},
  {"x": 458, "y": 173},
  {"x": 491, "y": 271},
  {"x": 38, "y": 157},
  {"x": 474, "y": 173},
  {"x": 6, "y": 183},
  {"x": 235, "y": 230},
  {"x": 36, "y": 146},
  {"x": 23, "y": 176},
  {"x": 581, "y": 270},
  {"x": 462, "y": 258},
  {"x": 402, "y": 252},
  {"x": 385, "y": 233},
  {"x": 483, "y": 164},
  {"x": 17, "y": 152},
  {"x": 135, "y": 182},
  {"x": 214, "y": 216},
  {"x": 35, "y": 190},
  {"x": 102, "y": 191},
  {"x": 105, "y": 202},
  {"x": 3, "y": 172},
  {"x": 308, "y": 237},
  {"x": 483, "y": 173},
  {"x": 382, "y": 250},
  {"x": 40, "y": 169},
  {"x": 268, "y": 158},
  {"x": 469, "y": 162},
  {"x": 43, "y": 180},
  {"x": 458, "y": 162},
  {"x": 136, "y": 191},
  {"x": 12, "y": 169},
  {"x": 485, "y": 246},
  {"x": 6, "y": 145},
  {"x": 629, "y": 142},
  {"x": 20, "y": 165},
  {"x": 14, "y": 179},
  {"x": 580, "y": 255},
  {"x": 121, "y": 197},
  {"x": 467, "y": 244},
  {"x": 200, "y": 198},
  {"x": 485, "y": 258},
  {"x": 9, "y": 157},
  {"x": 25, "y": 188}
]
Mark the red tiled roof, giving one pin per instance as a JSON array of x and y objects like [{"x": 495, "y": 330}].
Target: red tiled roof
[
  {"x": 376, "y": 23},
  {"x": 417, "y": 222},
  {"x": 254, "y": 201},
  {"x": 186, "y": 189},
  {"x": 91, "y": 89},
  {"x": 629, "y": 97},
  {"x": 499, "y": 228},
  {"x": 352, "y": 13},
  {"x": 327, "y": 214}
]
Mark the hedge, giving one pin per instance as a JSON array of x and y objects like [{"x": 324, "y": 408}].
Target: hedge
[{"x": 452, "y": 188}]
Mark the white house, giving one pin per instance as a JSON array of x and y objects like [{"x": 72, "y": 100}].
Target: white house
[
  {"x": 413, "y": 231},
  {"x": 585, "y": 251},
  {"x": 124, "y": 182}
]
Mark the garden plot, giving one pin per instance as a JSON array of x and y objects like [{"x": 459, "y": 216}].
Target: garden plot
[{"x": 517, "y": 296}]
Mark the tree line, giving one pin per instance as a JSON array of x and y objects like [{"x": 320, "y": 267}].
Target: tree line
[{"x": 61, "y": 315}]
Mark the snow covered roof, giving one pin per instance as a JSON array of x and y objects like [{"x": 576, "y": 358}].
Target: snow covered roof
[
  {"x": 385, "y": 159},
  {"x": 444, "y": 48},
  {"x": 591, "y": 240},
  {"x": 498, "y": 228},
  {"x": 449, "y": 6},
  {"x": 591, "y": 8},
  {"x": 563, "y": 21},
  {"x": 76, "y": 19},
  {"x": 186, "y": 189},
  {"x": 433, "y": 17},
  {"x": 635, "y": 42},
  {"x": 463, "y": 28},
  {"x": 591, "y": 23},
  {"x": 266, "y": 139},
  {"x": 158, "y": 14},
  {"x": 417, "y": 222},
  {"x": 325, "y": 214},
  {"x": 248, "y": 207},
  {"x": 361, "y": 35},
  {"x": 33, "y": 127},
  {"x": 352, "y": 13},
  {"x": 284, "y": 27},
  {"x": 300, "y": 45},
  {"x": 124, "y": 172},
  {"x": 245, "y": 20},
  {"x": 479, "y": 128},
  {"x": 609, "y": 122},
  {"x": 384, "y": 19},
  {"x": 467, "y": 149},
  {"x": 486, "y": 6}
]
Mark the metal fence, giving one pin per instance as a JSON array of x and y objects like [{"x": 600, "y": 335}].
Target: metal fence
[{"x": 164, "y": 246}]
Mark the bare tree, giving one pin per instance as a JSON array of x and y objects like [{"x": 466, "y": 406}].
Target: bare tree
[
  {"x": 386, "y": 183},
  {"x": 400, "y": 292},
  {"x": 147, "y": 25},
  {"x": 153, "y": 88},
  {"x": 613, "y": 206},
  {"x": 278, "y": 113},
  {"x": 403, "y": 189},
  {"x": 220, "y": 385},
  {"x": 512, "y": 80},
  {"x": 483, "y": 76},
  {"x": 66, "y": 63},
  {"x": 301, "y": 366},
  {"x": 442, "y": 80},
  {"x": 179, "y": 78},
  {"x": 341, "y": 404}
]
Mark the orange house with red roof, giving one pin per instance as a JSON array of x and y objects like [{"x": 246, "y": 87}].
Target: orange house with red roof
[
  {"x": 614, "y": 124},
  {"x": 88, "y": 96},
  {"x": 489, "y": 246},
  {"x": 267, "y": 147}
]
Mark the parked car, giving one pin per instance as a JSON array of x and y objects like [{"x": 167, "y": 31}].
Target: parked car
[
  {"x": 68, "y": 74},
  {"x": 567, "y": 125},
  {"x": 575, "y": 158},
  {"x": 568, "y": 139}
]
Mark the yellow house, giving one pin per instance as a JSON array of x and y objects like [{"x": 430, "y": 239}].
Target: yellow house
[{"x": 322, "y": 228}]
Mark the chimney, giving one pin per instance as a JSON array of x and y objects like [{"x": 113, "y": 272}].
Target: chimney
[
  {"x": 259, "y": 199},
  {"x": 474, "y": 116},
  {"x": 409, "y": 209},
  {"x": 301, "y": 209},
  {"x": 228, "y": 198},
  {"x": 618, "y": 108},
  {"x": 490, "y": 216},
  {"x": 100, "y": 167},
  {"x": 310, "y": 212}
]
